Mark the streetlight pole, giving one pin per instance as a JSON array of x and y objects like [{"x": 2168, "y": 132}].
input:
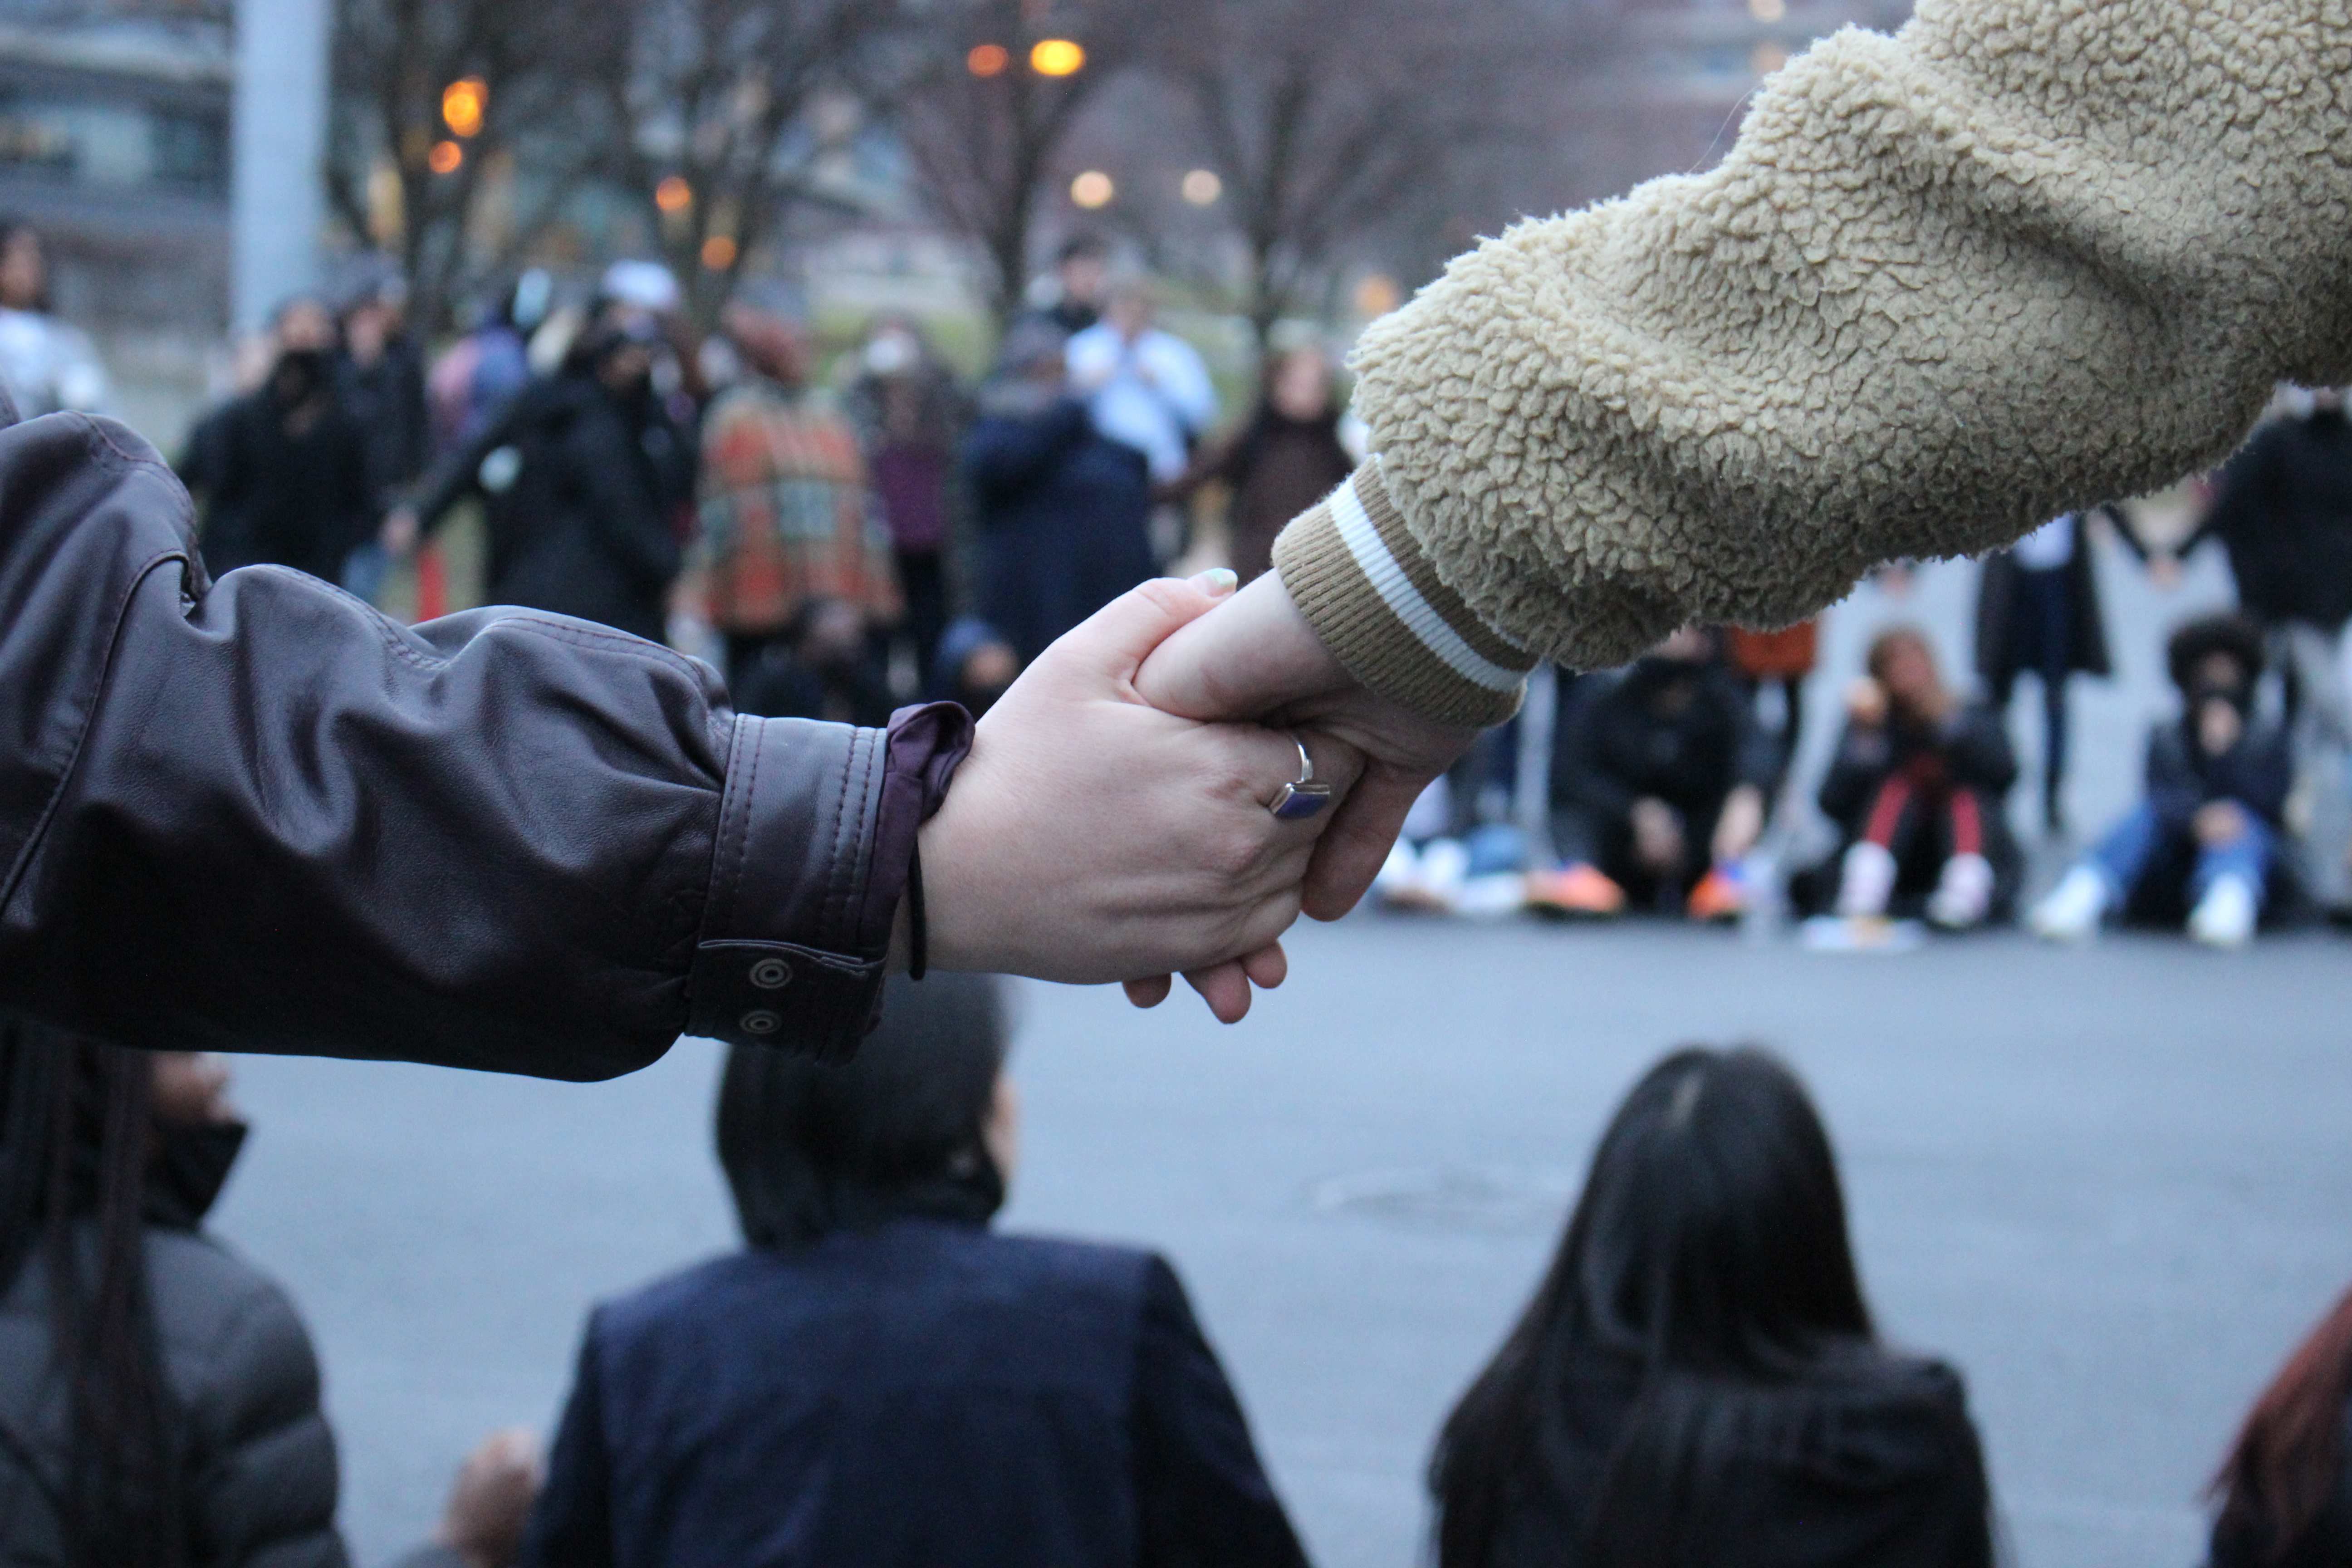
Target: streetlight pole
[{"x": 277, "y": 142}]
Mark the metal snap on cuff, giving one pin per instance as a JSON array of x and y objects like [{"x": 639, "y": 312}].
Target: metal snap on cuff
[
  {"x": 771, "y": 974},
  {"x": 761, "y": 1021}
]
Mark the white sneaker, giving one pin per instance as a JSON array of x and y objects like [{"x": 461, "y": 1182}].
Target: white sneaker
[
  {"x": 2224, "y": 917},
  {"x": 1866, "y": 881},
  {"x": 1963, "y": 892},
  {"x": 1400, "y": 873},
  {"x": 2071, "y": 910}
]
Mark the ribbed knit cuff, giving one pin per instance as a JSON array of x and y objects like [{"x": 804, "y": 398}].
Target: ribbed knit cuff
[{"x": 1358, "y": 576}]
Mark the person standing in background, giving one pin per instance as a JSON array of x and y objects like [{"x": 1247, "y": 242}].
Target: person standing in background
[
  {"x": 474, "y": 378},
  {"x": 380, "y": 380},
  {"x": 911, "y": 415},
  {"x": 580, "y": 475},
  {"x": 1065, "y": 512},
  {"x": 1080, "y": 272},
  {"x": 786, "y": 514},
  {"x": 45, "y": 364},
  {"x": 1781, "y": 659},
  {"x": 1283, "y": 459},
  {"x": 282, "y": 471},
  {"x": 2038, "y": 610},
  {"x": 1145, "y": 388}
]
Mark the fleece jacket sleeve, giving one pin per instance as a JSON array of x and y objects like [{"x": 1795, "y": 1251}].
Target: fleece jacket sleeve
[{"x": 2022, "y": 257}]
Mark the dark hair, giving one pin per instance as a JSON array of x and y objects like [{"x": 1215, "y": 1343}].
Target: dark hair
[
  {"x": 809, "y": 1148},
  {"x": 1706, "y": 1265},
  {"x": 76, "y": 1126},
  {"x": 1077, "y": 245},
  {"x": 2283, "y": 1470},
  {"x": 2194, "y": 642}
]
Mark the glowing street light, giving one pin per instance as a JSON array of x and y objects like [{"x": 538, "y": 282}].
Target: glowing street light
[
  {"x": 1768, "y": 10},
  {"x": 1201, "y": 187},
  {"x": 444, "y": 158},
  {"x": 719, "y": 253},
  {"x": 1093, "y": 189},
  {"x": 1056, "y": 57},
  {"x": 988, "y": 59},
  {"x": 673, "y": 195},
  {"x": 463, "y": 105}
]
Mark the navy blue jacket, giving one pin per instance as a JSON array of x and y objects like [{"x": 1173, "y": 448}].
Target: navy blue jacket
[
  {"x": 1064, "y": 520},
  {"x": 2256, "y": 773},
  {"x": 925, "y": 1394}
]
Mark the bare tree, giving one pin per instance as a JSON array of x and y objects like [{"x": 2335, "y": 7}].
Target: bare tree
[
  {"x": 1335, "y": 126},
  {"x": 982, "y": 124},
  {"x": 728, "y": 110},
  {"x": 461, "y": 208}
]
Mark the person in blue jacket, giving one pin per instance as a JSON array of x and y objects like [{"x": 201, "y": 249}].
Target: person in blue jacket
[
  {"x": 878, "y": 1377},
  {"x": 1065, "y": 512}
]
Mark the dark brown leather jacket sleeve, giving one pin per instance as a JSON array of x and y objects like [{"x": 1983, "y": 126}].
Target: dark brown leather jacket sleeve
[{"x": 257, "y": 816}]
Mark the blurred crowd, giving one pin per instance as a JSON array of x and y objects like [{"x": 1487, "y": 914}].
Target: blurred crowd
[{"x": 837, "y": 538}]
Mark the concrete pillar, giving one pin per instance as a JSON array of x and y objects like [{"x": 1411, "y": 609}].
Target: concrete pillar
[{"x": 278, "y": 146}]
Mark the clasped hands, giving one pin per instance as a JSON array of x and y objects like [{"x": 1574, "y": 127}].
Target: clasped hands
[{"x": 1111, "y": 823}]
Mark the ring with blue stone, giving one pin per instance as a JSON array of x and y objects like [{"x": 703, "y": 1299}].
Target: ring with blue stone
[{"x": 1303, "y": 796}]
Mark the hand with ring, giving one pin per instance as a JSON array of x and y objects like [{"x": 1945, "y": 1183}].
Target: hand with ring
[{"x": 1091, "y": 836}]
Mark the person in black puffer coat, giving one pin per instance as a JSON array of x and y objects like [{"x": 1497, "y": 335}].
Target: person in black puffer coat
[
  {"x": 159, "y": 1398},
  {"x": 585, "y": 476}
]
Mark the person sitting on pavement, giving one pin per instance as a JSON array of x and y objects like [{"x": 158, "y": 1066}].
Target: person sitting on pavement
[
  {"x": 2286, "y": 1489},
  {"x": 2203, "y": 844},
  {"x": 1657, "y": 787},
  {"x": 1697, "y": 1378},
  {"x": 832, "y": 667},
  {"x": 1918, "y": 785},
  {"x": 878, "y": 1376},
  {"x": 973, "y": 666},
  {"x": 159, "y": 1396}
]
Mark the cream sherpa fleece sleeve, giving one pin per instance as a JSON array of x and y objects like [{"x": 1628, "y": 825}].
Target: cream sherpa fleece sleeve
[{"x": 2023, "y": 256}]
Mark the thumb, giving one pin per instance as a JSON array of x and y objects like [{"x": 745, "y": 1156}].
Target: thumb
[{"x": 1116, "y": 639}]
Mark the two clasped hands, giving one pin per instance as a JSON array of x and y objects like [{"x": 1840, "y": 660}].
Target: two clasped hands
[{"x": 1112, "y": 822}]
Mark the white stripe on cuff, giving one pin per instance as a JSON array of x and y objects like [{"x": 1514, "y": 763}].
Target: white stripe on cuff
[{"x": 1405, "y": 602}]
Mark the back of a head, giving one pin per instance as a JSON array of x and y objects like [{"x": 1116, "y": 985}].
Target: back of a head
[
  {"x": 2288, "y": 1468},
  {"x": 809, "y": 1150},
  {"x": 1706, "y": 1259}
]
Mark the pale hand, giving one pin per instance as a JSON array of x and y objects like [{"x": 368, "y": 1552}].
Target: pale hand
[
  {"x": 490, "y": 1503},
  {"x": 1092, "y": 836},
  {"x": 1255, "y": 657}
]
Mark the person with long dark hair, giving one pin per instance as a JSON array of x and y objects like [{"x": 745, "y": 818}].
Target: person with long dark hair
[
  {"x": 2285, "y": 1491},
  {"x": 159, "y": 1398},
  {"x": 878, "y": 1377},
  {"x": 1698, "y": 1380}
]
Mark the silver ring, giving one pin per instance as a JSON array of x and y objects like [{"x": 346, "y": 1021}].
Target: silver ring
[{"x": 1303, "y": 796}]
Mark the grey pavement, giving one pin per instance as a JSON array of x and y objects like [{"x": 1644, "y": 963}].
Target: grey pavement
[{"x": 2110, "y": 1185}]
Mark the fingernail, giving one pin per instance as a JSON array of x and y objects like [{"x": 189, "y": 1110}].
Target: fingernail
[{"x": 1216, "y": 581}]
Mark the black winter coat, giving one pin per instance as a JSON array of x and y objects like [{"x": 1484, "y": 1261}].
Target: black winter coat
[
  {"x": 1882, "y": 1471},
  {"x": 2256, "y": 773},
  {"x": 584, "y": 487},
  {"x": 1973, "y": 744},
  {"x": 386, "y": 400},
  {"x": 922, "y": 1393},
  {"x": 256, "y": 815},
  {"x": 1064, "y": 520},
  {"x": 1682, "y": 734},
  {"x": 260, "y": 1459},
  {"x": 2284, "y": 512},
  {"x": 279, "y": 497}
]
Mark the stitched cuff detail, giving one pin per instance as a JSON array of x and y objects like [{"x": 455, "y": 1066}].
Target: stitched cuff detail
[{"x": 1361, "y": 580}]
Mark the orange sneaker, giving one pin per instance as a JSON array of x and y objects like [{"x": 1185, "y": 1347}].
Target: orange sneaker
[
  {"x": 1718, "y": 897},
  {"x": 1578, "y": 891}
]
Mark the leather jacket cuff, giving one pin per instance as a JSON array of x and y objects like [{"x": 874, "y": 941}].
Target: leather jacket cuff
[{"x": 816, "y": 828}]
